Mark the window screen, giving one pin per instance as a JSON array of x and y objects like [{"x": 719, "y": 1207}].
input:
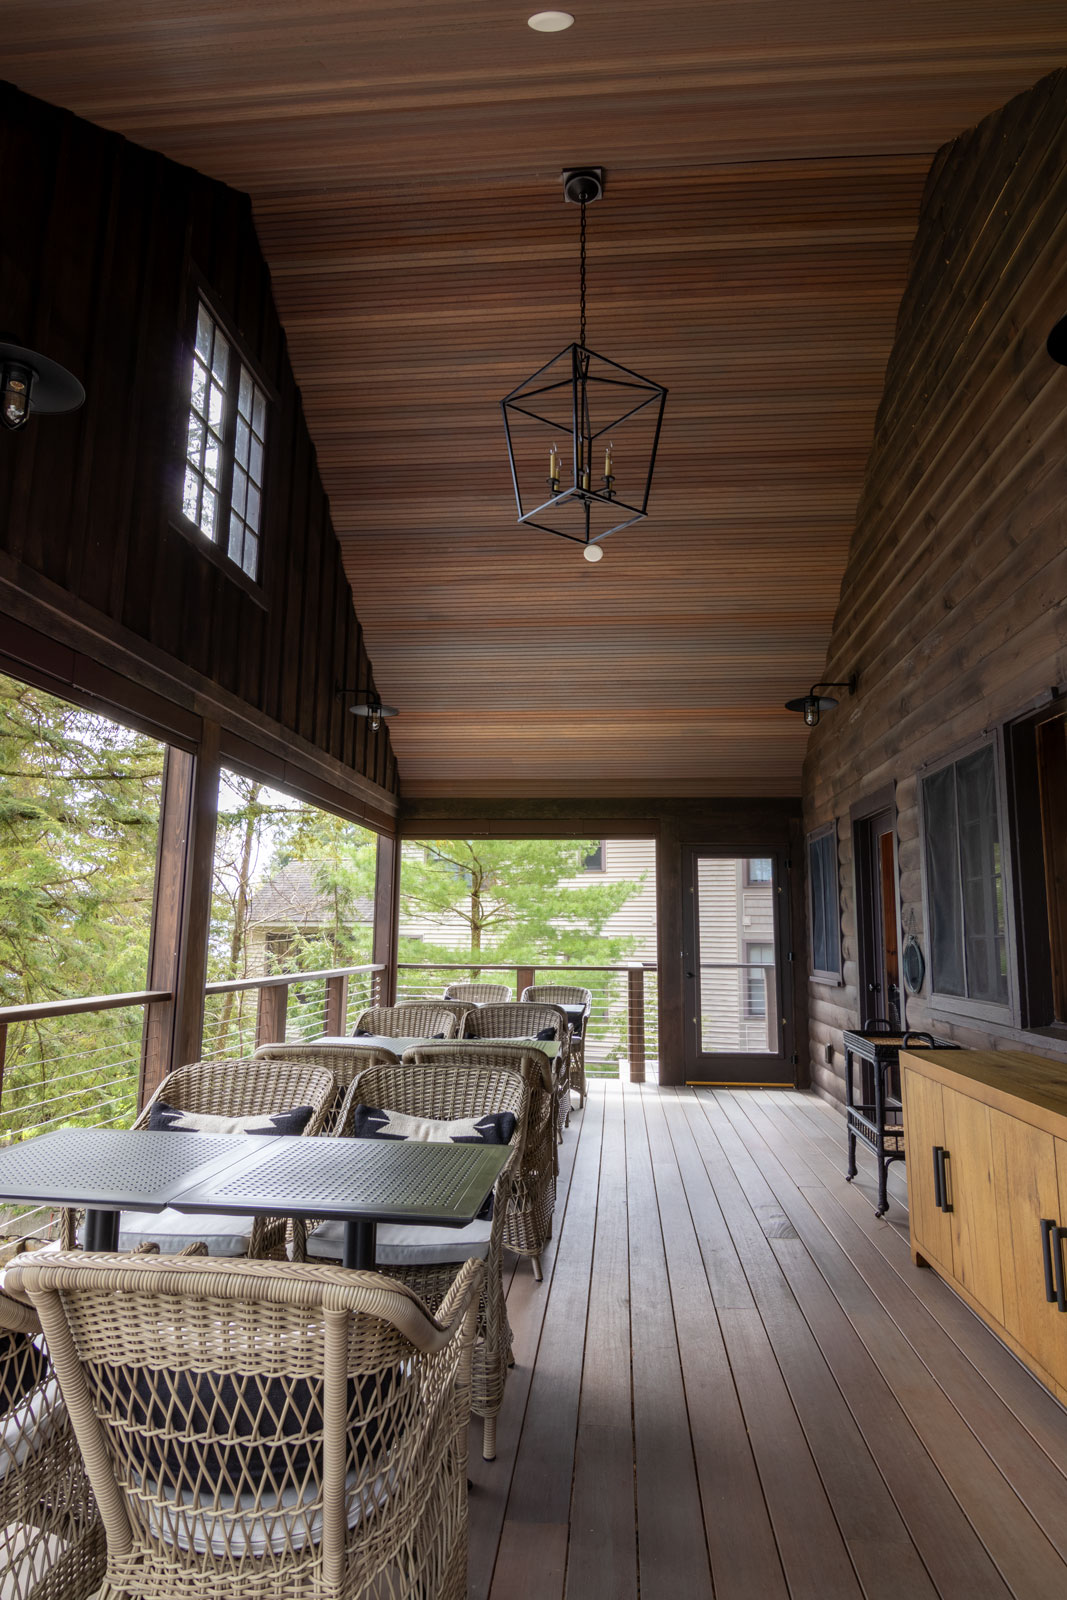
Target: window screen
[
  {"x": 823, "y": 901},
  {"x": 964, "y": 879}
]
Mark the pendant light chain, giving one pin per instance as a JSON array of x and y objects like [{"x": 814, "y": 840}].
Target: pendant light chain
[{"x": 581, "y": 337}]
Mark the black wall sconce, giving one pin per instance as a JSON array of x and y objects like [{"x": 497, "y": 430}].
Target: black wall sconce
[
  {"x": 30, "y": 382},
  {"x": 369, "y": 706},
  {"x": 813, "y": 704}
]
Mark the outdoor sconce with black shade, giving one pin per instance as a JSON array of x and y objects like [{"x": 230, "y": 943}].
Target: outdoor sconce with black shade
[
  {"x": 369, "y": 706},
  {"x": 31, "y": 382},
  {"x": 813, "y": 704}
]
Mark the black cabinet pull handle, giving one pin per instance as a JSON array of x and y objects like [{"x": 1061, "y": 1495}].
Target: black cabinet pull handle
[
  {"x": 942, "y": 1157},
  {"x": 1058, "y": 1234},
  {"x": 939, "y": 1193},
  {"x": 1047, "y": 1229}
]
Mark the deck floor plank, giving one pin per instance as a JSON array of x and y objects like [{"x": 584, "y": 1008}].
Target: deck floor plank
[{"x": 732, "y": 1361}]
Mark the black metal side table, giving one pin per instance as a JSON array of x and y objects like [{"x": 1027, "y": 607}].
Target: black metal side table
[{"x": 877, "y": 1115}]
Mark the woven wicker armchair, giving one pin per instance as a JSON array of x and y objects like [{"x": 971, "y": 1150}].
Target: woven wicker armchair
[
  {"x": 479, "y": 994},
  {"x": 345, "y": 1061},
  {"x": 521, "y": 1020},
  {"x": 243, "y": 1088},
  {"x": 563, "y": 994},
  {"x": 528, "y": 1226},
  {"x": 419, "y": 1020},
  {"x": 264, "y": 1430},
  {"x": 460, "y": 1009},
  {"x": 425, "y": 1258},
  {"x": 51, "y": 1537}
]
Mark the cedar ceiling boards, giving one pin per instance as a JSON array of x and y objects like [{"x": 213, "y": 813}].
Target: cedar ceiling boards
[{"x": 765, "y": 163}]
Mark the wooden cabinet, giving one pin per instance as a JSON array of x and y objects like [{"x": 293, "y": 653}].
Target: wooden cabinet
[{"x": 986, "y": 1136}]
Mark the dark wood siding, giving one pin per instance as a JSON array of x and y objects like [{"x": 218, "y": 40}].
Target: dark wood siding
[
  {"x": 104, "y": 247},
  {"x": 952, "y": 607}
]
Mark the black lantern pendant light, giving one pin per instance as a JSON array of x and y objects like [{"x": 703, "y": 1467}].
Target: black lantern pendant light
[
  {"x": 814, "y": 704},
  {"x": 576, "y": 415},
  {"x": 29, "y": 382},
  {"x": 369, "y": 705}
]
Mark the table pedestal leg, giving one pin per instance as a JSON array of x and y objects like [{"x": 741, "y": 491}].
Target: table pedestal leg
[
  {"x": 360, "y": 1245},
  {"x": 102, "y": 1230}
]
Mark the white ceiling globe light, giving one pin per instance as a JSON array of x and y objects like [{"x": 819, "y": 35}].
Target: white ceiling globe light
[
  {"x": 593, "y": 552},
  {"x": 550, "y": 21}
]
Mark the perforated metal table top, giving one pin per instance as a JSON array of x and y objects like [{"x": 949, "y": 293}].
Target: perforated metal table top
[
  {"x": 108, "y": 1168},
  {"x": 382, "y": 1180}
]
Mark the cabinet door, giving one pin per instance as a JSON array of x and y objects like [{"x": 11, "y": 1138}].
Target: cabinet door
[
  {"x": 924, "y": 1128},
  {"x": 972, "y": 1197},
  {"x": 1024, "y": 1161}
]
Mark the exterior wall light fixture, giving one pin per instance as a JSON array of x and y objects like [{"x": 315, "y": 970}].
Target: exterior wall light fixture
[
  {"x": 813, "y": 704},
  {"x": 369, "y": 706},
  {"x": 29, "y": 382}
]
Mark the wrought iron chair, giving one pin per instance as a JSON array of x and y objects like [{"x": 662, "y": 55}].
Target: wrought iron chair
[
  {"x": 421, "y": 1019},
  {"x": 51, "y": 1536},
  {"x": 426, "y": 1258},
  {"x": 528, "y": 1226},
  {"x": 562, "y": 994},
  {"x": 256, "y": 1429}
]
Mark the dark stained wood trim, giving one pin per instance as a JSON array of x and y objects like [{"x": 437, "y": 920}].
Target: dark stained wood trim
[
  {"x": 386, "y": 916},
  {"x": 196, "y": 900},
  {"x": 159, "y": 1036}
]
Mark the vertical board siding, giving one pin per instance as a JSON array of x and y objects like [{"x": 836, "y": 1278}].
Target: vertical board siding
[
  {"x": 111, "y": 240},
  {"x": 952, "y": 605}
]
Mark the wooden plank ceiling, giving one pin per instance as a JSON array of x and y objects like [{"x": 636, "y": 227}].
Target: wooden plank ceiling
[{"x": 765, "y": 162}]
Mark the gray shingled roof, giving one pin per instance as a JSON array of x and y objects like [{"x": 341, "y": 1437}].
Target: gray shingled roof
[{"x": 290, "y": 899}]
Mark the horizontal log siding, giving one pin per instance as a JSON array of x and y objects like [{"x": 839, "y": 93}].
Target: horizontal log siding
[
  {"x": 953, "y": 604},
  {"x": 106, "y": 242}
]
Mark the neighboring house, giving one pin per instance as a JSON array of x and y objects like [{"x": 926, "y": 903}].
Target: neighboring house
[
  {"x": 736, "y": 954},
  {"x": 287, "y": 905}
]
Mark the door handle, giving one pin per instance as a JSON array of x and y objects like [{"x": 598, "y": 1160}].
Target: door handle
[
  {"x": 1058, "y": 1234},
  {"x": 940, "y": 1158},
  {"x": 1047, "y": 1229}
]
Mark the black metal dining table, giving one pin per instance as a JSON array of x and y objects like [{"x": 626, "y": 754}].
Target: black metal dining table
[{"x": 359, "y": 1182}]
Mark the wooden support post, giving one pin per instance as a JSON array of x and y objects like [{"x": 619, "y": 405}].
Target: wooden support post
[
  {"x": 270, "y": 1014},
  {"x": 336, "y": 1005},
  {"x": 3, "y": 1057},
  {"x": 181, "y": 910},
  {"x": 635, "y": 1023},
  {"x": 524, "y": 978},
  {"x": 386, "y": 913}
]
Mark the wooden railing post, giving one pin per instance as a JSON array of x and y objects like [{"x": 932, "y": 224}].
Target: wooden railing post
[
  {"x": 336, "y": 1005},
  {"x": 635, "y": 1023},
  {"x": 270, "y": 1014},
  {"x": 524, "y": 978},
  {"x": 3, "y": 1057}
]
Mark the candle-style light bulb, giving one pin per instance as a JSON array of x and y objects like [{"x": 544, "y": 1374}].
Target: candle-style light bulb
[
  {"x": 811, "y": 712},
  {"x": 609, "y": 459}
]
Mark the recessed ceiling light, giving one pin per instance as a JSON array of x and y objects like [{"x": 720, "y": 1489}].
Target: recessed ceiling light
[
  {"x": 593, "y": 552},
  {"x": 550, "y": 21}
]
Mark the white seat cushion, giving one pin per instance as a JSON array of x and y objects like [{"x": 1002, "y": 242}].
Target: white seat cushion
[
  {"x": 276, "y": 1525},
  {"x": 172, "y": 1231},
  {"x": 405, "y": 1245}
]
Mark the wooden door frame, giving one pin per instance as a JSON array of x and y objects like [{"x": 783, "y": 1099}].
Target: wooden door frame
[
  {"x": 861, "y": 815},
  {"x": 781, "y": 855}
]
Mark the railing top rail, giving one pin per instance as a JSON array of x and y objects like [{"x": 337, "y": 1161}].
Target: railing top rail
[
  {"x": 513, "y": 966},
  {"x": 276, "y": 980},
  {"x": 83, "y": 1003}
]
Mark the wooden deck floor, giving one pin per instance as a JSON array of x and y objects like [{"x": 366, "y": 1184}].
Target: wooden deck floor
[{"x": 733, "y": 1383}]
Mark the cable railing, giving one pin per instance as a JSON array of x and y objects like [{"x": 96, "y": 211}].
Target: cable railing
[
  {"x": 241, "y": 1014},
  {"x": 622, "y": 1034}
]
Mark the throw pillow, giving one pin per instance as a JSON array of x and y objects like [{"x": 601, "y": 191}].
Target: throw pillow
[
  {"x": 545, "y": 1033},
  {"x": 168, "y": 1119},
  {"x": 495, "y": 1127}
]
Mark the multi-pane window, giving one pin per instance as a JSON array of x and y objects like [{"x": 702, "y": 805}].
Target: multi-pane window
[
  {"x": 759, "y": 869},
  {"x": 594, "y": 861},
  {"x": 757, "y": 958},
  {"x": 224, "y": 451},
  {"x": 964, "y": 879}
]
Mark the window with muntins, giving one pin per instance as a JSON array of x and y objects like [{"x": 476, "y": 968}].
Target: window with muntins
[
  {"x": 759, "y": 869},
  {"x": 225, "y": 444},
  {"x": 965, "y": 880}
]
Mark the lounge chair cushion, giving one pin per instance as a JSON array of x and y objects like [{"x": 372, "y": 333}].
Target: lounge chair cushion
[
  {"x": 401, "y": 1244},
  {"x": 172, "y": 1231}
]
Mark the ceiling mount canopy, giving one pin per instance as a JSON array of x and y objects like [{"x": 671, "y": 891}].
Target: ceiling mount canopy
[{"x": 579, "y": 413}]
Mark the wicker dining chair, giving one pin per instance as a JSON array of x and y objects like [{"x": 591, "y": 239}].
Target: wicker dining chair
[
  {"x": 460, "y": 1009},
  {"x": 563, "y": 994},
  {"x": 257, "y": 1429},
  {"x": 345, "y": 1061},
  {"x": 51, "y": 1536},
  {"x": 248, "y": 1087},
  {"x": 426, "y": 1258},
  {"x": 528, "y": 1226},
  {"x": 420, "y": 1020},
  {"x": 479, "y": 994},
  {"x": 522, "y": 1020}
]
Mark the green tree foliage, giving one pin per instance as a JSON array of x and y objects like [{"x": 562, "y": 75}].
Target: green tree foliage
[{"x": 79, "y": 816}]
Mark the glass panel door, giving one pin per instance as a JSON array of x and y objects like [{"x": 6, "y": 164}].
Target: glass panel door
[{"x": 736, "y": 1028}]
